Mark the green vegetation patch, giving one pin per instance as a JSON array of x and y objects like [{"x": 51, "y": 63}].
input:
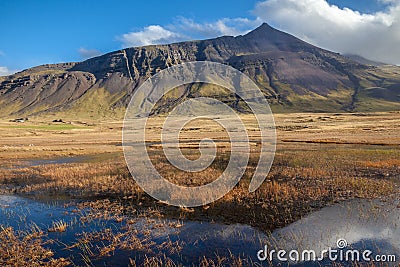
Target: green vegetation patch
[{"x": 49, "y": 127}]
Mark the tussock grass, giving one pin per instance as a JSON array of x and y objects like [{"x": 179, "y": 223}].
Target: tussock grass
[
  {"x": 58, "y": 226},
  {"x": 303, "y": 178},
  {"x": 26, "y": 249}
]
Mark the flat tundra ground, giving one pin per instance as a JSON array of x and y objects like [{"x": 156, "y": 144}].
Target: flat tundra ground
[
  {"x": 336, "y": 155},
  {"x": 320, "y": 159}
]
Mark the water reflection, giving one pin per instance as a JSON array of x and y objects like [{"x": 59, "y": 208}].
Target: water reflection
[
  {"x": 372, "y": 225},
  {"x": 364, "y": 224},
  {"x": 198, "y": 239}
]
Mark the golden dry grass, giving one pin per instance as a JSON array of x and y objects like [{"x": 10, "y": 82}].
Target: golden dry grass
[
  {"x": 26, "y": 249},
  {"x": 302, "y": 179},
  {"x": 306, "y": 175}
]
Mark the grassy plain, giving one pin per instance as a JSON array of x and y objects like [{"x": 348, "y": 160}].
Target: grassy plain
[{"x": 320, "y": 159}]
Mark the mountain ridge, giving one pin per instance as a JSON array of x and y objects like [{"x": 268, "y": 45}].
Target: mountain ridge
[{"x": 294, "y": 75}]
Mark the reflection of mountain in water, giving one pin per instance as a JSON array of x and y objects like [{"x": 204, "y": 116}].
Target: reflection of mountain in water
[
  {"x": 371, "y": 225},
  {"x": 364, "y": 224}
]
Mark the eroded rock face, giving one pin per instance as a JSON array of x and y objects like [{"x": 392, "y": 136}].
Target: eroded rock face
[
  {"x": 35, "y": 91},
  {"x": 293, "y": 75}
]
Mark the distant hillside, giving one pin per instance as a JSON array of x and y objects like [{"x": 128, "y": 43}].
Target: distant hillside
[
  {"x": 295, "y": 77},
  {"x": 364, "y": 60}
]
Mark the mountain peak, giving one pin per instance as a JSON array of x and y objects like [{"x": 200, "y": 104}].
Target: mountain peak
[
  {"x": 293, "y": 74},
  {"x": 263, "y": 27},
  {"x": 267, "y": 38}
]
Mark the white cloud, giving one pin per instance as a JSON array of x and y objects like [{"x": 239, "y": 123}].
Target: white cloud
[
  {"x": 4, "y": 71},
  {"x": 183, "y": 29},
  {"x": 375, "y": 36},
  {"x": 153, "y": 34},
  {"x": 224, "y": 26},
  {"x": 389, "y": 1},
  {"x": 88, "y": 53}
]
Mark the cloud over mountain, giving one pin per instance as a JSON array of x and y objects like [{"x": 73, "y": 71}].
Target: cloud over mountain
[
  {"x": 4, "y": 71},
  {"x": 88, "y": 53},
  {"x": 183, "y": 29},
  {"x": 153, "y": 34},
  {"x": 375, "y": 36}
]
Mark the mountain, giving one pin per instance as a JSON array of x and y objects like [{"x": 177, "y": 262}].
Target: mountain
[
  {"x": 294, "y": 76},
  {"x": 364, "y": 60}
]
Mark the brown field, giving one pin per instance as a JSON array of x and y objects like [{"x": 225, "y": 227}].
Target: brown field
[{"x": 320, "y": 159}]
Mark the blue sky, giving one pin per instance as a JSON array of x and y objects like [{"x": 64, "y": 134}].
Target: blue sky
[{"x": 39, "y": 32}]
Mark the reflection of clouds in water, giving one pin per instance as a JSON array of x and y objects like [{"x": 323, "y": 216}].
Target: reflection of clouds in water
[
  {"x": 230, "y": 231},
  {"x": 364, "y": 224},
  {"x": 187, "y": 230},
  {"x": 358, "y": 221},
  {"x": 220, "y": 232},
  {"x": 205, "y": 238},
  {"x": 198, "y": 238},
  {"x": 7, "y": 201}
]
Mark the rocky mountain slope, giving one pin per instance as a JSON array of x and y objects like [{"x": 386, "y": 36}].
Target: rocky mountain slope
[{"x": 294, "y": 76}]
